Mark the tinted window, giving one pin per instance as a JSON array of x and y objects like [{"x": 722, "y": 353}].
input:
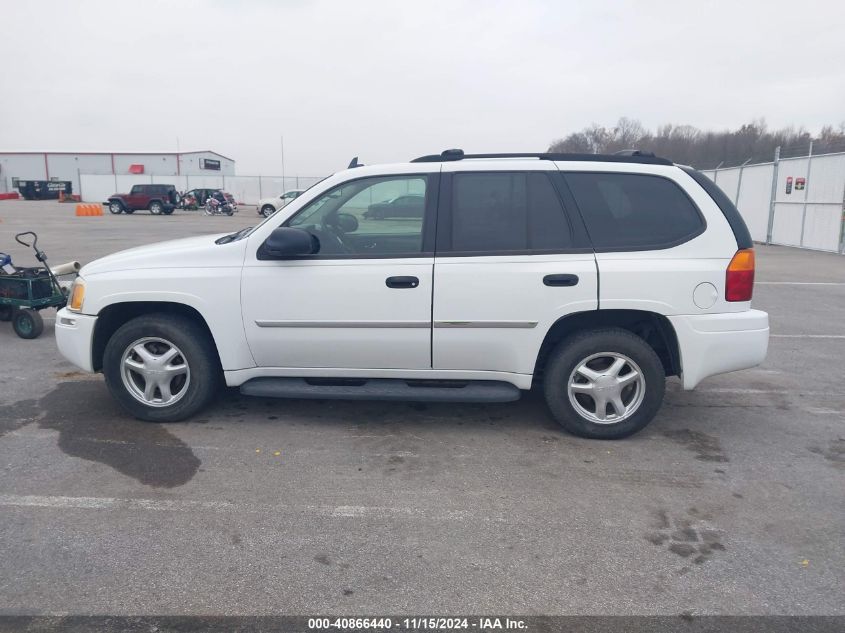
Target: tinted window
[
  {"x": 729, "y": 210},
  {"x": 366, "y": 217},
  {"x": 507, "y": 211},
  {"x": 634, "y": 210}
]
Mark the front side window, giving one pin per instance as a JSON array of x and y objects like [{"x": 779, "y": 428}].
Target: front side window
[
  {"x": 501, "y": 212},
  {"x": 135, "y": 189},
  {"x": 634, "y": 210},
  {"x": 371, "y": 216}
]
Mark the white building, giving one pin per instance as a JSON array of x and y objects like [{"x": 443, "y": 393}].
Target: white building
[{"x": 49, "y": 165}]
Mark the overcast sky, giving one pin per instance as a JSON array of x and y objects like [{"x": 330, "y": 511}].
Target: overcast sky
[{"x": 389, "y": 80}]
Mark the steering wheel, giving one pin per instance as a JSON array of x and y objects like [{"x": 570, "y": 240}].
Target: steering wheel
[{"x": 333, "y": 233}]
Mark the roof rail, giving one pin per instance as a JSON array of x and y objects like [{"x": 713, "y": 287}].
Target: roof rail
[
  {"x": 633, "y": 152},
  {"x": 625, "y": 156}
]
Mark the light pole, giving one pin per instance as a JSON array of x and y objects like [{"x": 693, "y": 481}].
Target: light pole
[{"x": 283, "y": 163}]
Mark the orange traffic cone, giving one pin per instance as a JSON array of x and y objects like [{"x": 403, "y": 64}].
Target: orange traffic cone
[{"x": 87, "y": 210}]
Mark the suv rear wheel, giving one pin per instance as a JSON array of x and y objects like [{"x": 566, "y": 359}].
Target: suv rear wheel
[
  {"x": 155, "y": 207},
  {"x": 267, "y": 210},
  {"x": 161, "y": 367},
  {"x": 604, "y": 384}
]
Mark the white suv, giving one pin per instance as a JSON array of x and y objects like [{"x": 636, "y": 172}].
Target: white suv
[{"x": 593, "y": 277}]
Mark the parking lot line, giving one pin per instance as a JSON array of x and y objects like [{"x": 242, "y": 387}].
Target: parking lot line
[
  {"x": 827, "y": 336},
  {"x": 799, "y": 283},
  {"x": 175, "y": 505}
]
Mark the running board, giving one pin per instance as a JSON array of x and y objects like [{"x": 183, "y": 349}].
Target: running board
[{"x": 382, "y": 389}]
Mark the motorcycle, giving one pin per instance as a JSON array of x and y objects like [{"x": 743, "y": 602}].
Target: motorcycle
[{"x": 214, "y": 207}]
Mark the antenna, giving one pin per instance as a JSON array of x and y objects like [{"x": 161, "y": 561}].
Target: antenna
[{"x": 354, "y": 163}]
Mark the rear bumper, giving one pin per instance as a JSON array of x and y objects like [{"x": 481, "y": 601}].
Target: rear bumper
[
  {"x": 713, "y": 344},
  {"x": 75, "y": 337}
]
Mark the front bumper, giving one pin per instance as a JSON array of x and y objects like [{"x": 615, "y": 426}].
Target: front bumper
[
  {"x": 75, "y": 337},
  {"x": 713, "y": 344}
]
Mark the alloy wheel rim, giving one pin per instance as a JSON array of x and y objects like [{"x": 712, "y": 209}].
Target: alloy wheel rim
[
  {"x": 155, "y": 372},
  {"x": 606, "y": 388}
]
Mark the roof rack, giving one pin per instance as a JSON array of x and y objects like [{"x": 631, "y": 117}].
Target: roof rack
[
  {"x": 625, "y": 156},
  {"x": 633, "y": 152}
]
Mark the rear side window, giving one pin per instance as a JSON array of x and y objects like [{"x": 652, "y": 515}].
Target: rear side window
[
  {"x": 639, "y": 211},
  {"x": 501, "y": 212}
]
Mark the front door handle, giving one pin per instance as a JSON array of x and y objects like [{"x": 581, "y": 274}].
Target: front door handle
[
  {"x": 560, "y": 280},
  {"x": 402, "y": 282}
]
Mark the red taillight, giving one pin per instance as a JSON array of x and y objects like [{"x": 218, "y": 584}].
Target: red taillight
[{"x": 739, "y": 280}]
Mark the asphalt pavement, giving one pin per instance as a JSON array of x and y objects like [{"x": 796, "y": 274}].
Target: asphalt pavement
[{"x": 731, "y": 502}]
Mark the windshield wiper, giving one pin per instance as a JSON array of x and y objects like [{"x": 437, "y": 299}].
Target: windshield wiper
[{"x": 233, "y": 237}]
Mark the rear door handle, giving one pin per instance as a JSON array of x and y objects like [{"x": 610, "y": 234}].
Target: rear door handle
[
  {"x": 402, "y": 282},
  {"x": 560, "y": 280}
]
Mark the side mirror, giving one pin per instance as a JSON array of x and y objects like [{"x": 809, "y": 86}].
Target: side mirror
[
  {"x": 289, "y": 242},
  {"x": 347, "y": 222}
]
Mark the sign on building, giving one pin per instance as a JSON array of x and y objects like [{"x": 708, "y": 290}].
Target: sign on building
[{"x": 208, "y": 163}]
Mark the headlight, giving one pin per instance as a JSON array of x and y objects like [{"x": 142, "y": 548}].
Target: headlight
[{"x": 77, "y": 295}]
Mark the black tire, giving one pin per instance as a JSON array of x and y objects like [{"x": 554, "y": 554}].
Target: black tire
[
  {"x": 572, "y": 352},
  {"x": 196, "y": 350},
  {"x": 156, "y": 207},
  {"x": 117, "y": 208},
  {"x": 27, "y": 323},
  {"x": 7, "y": 312},
  {"x": 267, "y": 210}
]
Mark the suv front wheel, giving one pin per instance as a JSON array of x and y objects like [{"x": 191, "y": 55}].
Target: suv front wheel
[
  {"x": 604, "y": 384},
  {"x": 115, "y": 207},
  {"x": 161, "y": 367}
]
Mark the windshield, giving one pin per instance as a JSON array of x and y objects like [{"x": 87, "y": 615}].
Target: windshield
[{"x": 246, "y": 232}]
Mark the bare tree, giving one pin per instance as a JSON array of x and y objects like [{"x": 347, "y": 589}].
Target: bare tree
[{"x": 705, "y": 149}]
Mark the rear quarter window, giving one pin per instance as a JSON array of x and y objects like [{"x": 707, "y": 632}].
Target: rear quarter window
[{"x": 634, "y": 211}]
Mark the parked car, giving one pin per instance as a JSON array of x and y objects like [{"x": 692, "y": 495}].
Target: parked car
[
  {"x": 408, "y": 206},
  {"x": 592, "y": 277},
  {"x": 268, "y": 206},
  {"x": 196, "y": 198},
  {"x": 157, "y": 198}
]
